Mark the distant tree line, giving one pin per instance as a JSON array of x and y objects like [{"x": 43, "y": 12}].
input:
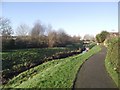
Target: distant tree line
[
  {"x": 88, "y": 37},
  {"x": 39, "y": 36}
]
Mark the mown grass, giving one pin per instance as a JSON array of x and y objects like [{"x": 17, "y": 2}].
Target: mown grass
[
  {"x": 112, "y": 57},
  {"x": 52, "y": 74}
]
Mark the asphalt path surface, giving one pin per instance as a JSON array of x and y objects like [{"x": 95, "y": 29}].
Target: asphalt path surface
[{"x": 93, "y": 73}]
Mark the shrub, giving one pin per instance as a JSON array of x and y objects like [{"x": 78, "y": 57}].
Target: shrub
[
  {"x": 8, "y": 43},
  {"x": 112, "y": 58}
]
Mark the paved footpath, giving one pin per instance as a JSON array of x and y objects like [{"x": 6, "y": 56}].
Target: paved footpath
[{"x": 93, "y": 73}]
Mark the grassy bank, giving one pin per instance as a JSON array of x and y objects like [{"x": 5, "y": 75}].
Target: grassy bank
[
  {"x": 17, "y": 61},
  {"x": 52, "y": 74},
  {"x": 111, "y": 61}
]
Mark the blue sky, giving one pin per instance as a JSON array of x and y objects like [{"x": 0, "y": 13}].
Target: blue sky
[{"x": 75, "y": 18}]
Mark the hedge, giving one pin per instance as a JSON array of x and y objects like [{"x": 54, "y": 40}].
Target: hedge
[{"x": 111, "y": 62}]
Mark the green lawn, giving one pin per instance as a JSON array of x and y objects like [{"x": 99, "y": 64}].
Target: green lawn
[{"x": 52, "y": 74}]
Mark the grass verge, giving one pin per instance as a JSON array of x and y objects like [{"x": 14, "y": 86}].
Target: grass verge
[
  {"x": 52, "y": 74},
  {"x": 111, "y": 71}
]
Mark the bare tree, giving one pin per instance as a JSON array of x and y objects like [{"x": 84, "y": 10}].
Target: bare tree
[
  {"x": 89, "y": 37},
  {"x": 76, "y": 39},
  {"x": 63, "y": 38},
  {"x": 48, "y": 29},
  {"x": 52, "y": 38},
  {"x": 38, "y": 29},
  {"x": 22, "y": 30},
  {"x": 5, "y": 27}
]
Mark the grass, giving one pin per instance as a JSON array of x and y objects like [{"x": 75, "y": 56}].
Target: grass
[
  {"x": 111, "y": 61},
  {"x": 52, "y": 74},
  {"x": 18, "y": 60},
  {"x": 111, "y": 71}
]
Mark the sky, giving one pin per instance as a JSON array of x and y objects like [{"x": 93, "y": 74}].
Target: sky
[{"x": 76, "y": 18}]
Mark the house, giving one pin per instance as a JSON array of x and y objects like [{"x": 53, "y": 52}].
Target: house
[
  {"x": 114, "y": 34},
  {"x": 111, "y": 35}
]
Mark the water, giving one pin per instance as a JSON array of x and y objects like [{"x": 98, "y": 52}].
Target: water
[{"x": 84, "y": 52}]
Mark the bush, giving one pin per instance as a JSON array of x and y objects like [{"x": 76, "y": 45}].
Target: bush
[
  {"x": 20, "y": 43},
  {"x": 102, "y": 36},
  {"x": 112, "y": 58},
  {"x": 91, "y": 45},
  {"x": 8, "y": 43}
]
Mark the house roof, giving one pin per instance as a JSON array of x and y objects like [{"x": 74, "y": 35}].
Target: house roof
[{"x": 114, "y": 33}]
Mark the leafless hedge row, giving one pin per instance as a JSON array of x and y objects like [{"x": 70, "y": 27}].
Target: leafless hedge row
[{"x": 38, "y": 36}]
